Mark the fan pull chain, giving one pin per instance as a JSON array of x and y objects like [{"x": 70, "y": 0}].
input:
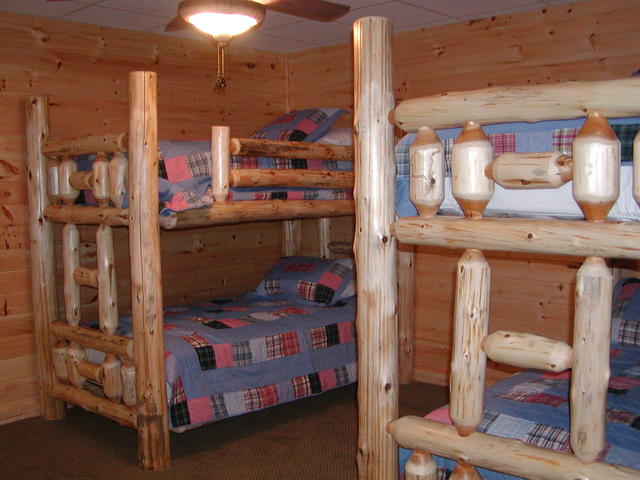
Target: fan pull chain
[{"x": 220, "y": 80}]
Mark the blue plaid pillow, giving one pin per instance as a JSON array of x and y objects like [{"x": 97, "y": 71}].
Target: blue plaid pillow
[
  {"x": 301, "y": 125},
  {"x": 309, "y": 280},
  {"x": 625, "y": 321}
]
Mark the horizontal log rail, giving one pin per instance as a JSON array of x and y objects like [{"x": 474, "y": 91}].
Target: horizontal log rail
[
  {"x": 257, "y": 177},
  {"x": 107, "y": 143},
  {"x": 87, "y": 215},
  {"x": 257, "y": 210},
  {"x": 559, "y": 237},
  {"x": 341, "y": 247},
  {"x": 118, "y": 412},
  {"x": 87, "y": 277},
  {"x": 513, "y": 457},
  {"x": 93, "y": 371},
  {"x": 88, "y": 337},
  {"x": 530, "y": 103},
  {"x": 526, "y": 350},
  {"x": 276, "y": 148}
]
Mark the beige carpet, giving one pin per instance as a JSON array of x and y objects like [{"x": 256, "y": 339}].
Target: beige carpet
[{"x": 313, "y": 438}]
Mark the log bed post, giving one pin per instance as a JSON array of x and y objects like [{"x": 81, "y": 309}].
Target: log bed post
[
  {"x": 146, "y": 288},
  {"x": 43, "y": 277},
  {"x": 375, "y": 249},
  {"x": 324, "y": 237}
]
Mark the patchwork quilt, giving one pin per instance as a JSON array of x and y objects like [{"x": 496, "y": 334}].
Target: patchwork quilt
[
  {"x": 185, "y": 177},
  {"x": 228, "y": 357},
  {"x": 533, "y": 407}
]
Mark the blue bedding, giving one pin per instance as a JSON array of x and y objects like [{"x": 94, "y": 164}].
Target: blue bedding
[
  {"x": 228, "y": 357},
  {"x": 533, "y": 407}
]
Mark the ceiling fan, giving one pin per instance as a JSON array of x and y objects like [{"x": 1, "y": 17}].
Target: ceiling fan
[{"x": 319, "y": 10}]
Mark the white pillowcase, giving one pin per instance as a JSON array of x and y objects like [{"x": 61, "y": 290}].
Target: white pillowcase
[{"x": 337, "y": 136}]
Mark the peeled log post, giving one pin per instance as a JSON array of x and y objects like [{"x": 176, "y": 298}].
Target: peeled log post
[
  {"x": 375, "y": 249},
  {"x": 421, "y": 466},
  {"x": 531, "y": 170},
  {"x": 590, "y": 376},
  {"x": 291, "y": 237},
  {"x": 468, "y": 361},
  {"x": 471, "y": 154},
  {"x": 324, "y": 237},
  {"x": 596, "y": 168},
  {"x": 426, "y": 183},
  {"x": 220, "y": 163},
  {"x": 526, "y": 350},
  {"x": 406, "y": 289},
  {"x": 146, "y": 288},
  {"x": 118, "y": 169}
]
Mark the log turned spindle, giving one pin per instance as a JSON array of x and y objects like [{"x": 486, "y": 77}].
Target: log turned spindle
[
  {"x": 472, "y": 153},
  {"x": 421, "y": 466},
  {"x": 426, "y": 182},
  {"x": 590, "y": 376},
  {"x": 118, "y": 171},
  {"x": 596, "y": 168},
  {"x": 100, "y": 179},
  {"x": 53, "y": 180},
  {"x": 108, "y": 308},
  {"x": 531, "y": 170},
  {"x": 468, "y": 361},
  {"x": 67, "y": 167}
]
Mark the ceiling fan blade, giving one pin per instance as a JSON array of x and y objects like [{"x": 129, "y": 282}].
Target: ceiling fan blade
[
  {"x": 176, "y": 24},
  {"x": 319, "y": 10}
]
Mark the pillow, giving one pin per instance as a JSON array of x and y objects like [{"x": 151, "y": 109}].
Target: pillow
[
  {"x": 625, "y": 321},
  {"x": 301, "y": 125},
  {"x": 310, "y": 280},
  {"x": 338, "y": 136}
]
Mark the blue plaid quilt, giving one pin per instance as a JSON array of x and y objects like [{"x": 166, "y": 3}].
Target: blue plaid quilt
[
  {"x": 228, "y": 357},
  {"x": 533, "y": 407}
]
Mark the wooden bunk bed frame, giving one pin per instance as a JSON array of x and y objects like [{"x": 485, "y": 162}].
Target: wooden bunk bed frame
[
  {"x": 377, "y": 232},
  {"x": 132, "y": 374}
]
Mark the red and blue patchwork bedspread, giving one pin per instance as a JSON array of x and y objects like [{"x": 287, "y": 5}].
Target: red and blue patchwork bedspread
[
  {"x": 533, "y": 407},
  {"x": 225, "y": 358}
]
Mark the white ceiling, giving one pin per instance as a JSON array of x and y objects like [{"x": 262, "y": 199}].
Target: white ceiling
[{"x": 278, "y": 32}]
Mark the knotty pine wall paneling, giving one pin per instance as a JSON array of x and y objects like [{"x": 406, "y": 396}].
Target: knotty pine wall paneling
[
  {"x": 588, "y": 40},
  {"x": 83, "y": 69}
]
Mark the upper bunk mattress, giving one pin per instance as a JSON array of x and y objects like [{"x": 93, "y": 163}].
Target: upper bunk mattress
[{"x": 525, "y": 137}]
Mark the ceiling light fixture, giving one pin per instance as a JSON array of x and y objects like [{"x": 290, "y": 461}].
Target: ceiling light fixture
[{"x": 222, "y": 19}]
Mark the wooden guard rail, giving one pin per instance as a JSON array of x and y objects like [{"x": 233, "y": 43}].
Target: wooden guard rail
[{"x": 594, "y": 170}]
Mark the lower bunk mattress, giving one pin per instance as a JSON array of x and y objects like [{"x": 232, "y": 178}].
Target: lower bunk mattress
[
  {"x": 533, "y": 407},
  {"x": 228, "y": 357}
]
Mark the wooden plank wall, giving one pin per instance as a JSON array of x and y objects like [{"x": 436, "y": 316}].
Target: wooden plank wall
[
  {"x": 84, "y": 69},
  {"x": 589, "y": 40}
]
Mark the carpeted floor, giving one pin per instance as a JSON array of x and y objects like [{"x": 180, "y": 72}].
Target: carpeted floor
[{"x": 312, "y": 439}]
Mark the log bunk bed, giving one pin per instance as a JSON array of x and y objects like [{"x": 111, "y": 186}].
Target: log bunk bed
[
  {"x": 132, "y": 373},
  {"x": 594, "y": 170}
]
